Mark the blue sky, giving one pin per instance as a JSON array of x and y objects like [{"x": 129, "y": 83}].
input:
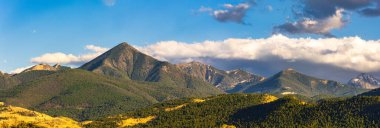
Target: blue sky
[{"x": 31, "y": 28}]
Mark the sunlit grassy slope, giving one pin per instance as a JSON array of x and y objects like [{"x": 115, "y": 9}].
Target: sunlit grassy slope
[{"x": 11, "y": 116}]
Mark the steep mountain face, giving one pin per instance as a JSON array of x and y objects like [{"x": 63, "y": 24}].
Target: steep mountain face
[
  {"x": 290, "y": 81},
  {"x": 127, "y": 62},
  {"x": 124, "y": 61},
  {"x": 365, "y": 81},
  {"x": 225, "y": 80}
]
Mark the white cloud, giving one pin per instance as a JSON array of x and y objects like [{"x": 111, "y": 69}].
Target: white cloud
[
  {"x": 319, "y": 26},
  {"x": 70, "y": 59},
  {"x": 351, "y": 53},
  {"x": 232, "y": 13},
  {"x": 229, "y": 12},
  {"x": 18, "y": 70}
]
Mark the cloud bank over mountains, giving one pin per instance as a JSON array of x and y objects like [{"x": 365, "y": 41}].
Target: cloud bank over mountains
[
  {"x": 352, "y": 53},
  {"x": 330, "y": 58}
]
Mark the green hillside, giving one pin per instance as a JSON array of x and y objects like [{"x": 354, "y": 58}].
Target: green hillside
[
  {"x": 85, "y": 95},
  {"x": 255, "y": 110},
  {"x": 374, "y": 92},
  {"x": 292, "y": 82}
]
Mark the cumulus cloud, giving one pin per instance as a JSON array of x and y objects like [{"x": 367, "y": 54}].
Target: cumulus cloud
[
  {"x": 70, "y": 59},
  {"x": 317, "y": 26},
  {"x": 352, "y": 53},
  {"x": 230, "y": 13},
  {"x": 325, "y": 8},
  {"x": 322, "y": 16}
]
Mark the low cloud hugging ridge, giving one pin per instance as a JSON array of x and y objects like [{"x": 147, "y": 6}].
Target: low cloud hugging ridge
[
  {"x": 70, "y": 59},
  {"x": 351, "y": 53}
]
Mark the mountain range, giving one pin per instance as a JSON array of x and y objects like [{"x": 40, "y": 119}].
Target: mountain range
[
  {"x": 224, "y": 80},
  {"x": 365, "y": 81},
  {"x": 124, "y": 79}
]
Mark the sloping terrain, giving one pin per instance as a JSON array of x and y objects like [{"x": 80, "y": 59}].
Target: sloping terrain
[
  {"x": 124, "y": 61},
  {"x": 290, "y": 81},
  {"x": 210, "y": 112},
  {"x": 255, "y": 110},
  {"x": 225, "y": 80},
  {"x": 365, "y": 81},
  {"x": 290, "y": 112},
  {"x": 11, "y": 116},
  {"x": 374, "y": 92},
  {"x": 85, "y": 95}
]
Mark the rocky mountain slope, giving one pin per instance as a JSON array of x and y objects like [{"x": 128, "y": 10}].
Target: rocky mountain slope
[
  {"x": 120, "y": 80},
  {"x": 365, "y": 81},
  {"x": 124, "y": 61},
  {"x": 225, "y": 80},
  {"x": 290, "y": 81}
]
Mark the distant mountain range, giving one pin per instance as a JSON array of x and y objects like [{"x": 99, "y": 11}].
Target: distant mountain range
[
  {"x": 290, "y": 81},
  {"x": 124, "y": 79},
  {"x": 365, "y": 81},
  {"x": 225, "y": 80}
]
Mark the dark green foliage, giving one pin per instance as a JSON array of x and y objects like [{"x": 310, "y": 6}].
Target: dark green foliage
[
  {"x": 375, "y": 92},
  {"x": 288, "y": 112},
  {"x": 249, "y": 111},
  {"x": 212, "y": 113}
]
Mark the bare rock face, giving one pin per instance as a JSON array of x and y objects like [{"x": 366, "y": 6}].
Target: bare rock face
[
  {"x": 224, "y": 80},
  {"x": 365, "y": 81}
]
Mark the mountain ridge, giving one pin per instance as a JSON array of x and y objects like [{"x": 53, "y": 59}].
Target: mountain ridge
[
  {"x": 225, "y": 80},
  {"x": 290, "y": 81},
  {"x": 365, "y": 81}
]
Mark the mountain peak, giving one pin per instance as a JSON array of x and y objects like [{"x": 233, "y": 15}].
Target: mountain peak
[
  {"x": 41, "y": 67},
  {"x": 366, "y": 81},
  {"x": 45, "y": 67},
  {"x": 126, "y": 45},
  {"x": 289, "y": 70}
]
